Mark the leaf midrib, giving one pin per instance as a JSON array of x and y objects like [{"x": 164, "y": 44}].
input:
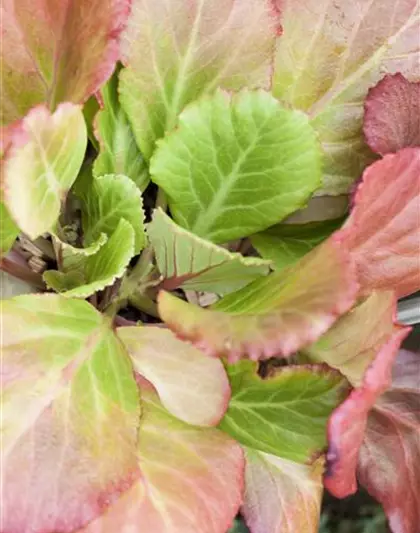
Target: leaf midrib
[{"x": 207, "y": 217}]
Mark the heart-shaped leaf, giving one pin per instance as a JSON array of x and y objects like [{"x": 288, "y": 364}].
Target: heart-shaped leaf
[{"x": 237, "y": 165}]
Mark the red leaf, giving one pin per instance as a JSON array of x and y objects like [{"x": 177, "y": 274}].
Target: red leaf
[
  {"x": 392, "y": 115},
  {"x": 55, "y": 51},
  {"x": 389, "y": 460},
  {"x": 347, "y": 425},
  {"x": 383, "y": 231}
]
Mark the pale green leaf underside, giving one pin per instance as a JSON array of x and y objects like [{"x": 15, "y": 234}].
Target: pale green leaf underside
[
  {"x": 285, "y": 415},
  {"x": 118, "y": 149},
  {"x": 187, "y": 261},
  {"x": 191, "y": 386},
  {"x": 176, "y": 51},
  {"x": 109, "y": 199},
  {"x": 92, "y": 273},
  {"x": 237, "y": 165},
  {"x": 8, "y": 230},
  {"x": 327, "y": 59},
  {"x": 284, "y": 244},
  {"x": 282, "y": 496},
  {"x": 45, "y": 158}
]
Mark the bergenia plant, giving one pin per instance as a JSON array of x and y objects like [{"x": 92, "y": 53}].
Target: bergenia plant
[{"x": 214, "y": 206}]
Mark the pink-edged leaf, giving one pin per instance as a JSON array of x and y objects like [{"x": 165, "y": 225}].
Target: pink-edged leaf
[
  {"x": 43, "y": 157},
  {"x": 383, "y": 232},
  {"x": 347, "y": 425},
  {"x": 281, "y": 496},
  {"x": 329, "y": 55},
  {"x": 176, "y": 51},
  {"x": 192, "y": 479},
  {"x": 389, "y": 459},
  {"x": 275, "y": 315},
  {"x": 191, "y": 385},
  {"x": 57, "y": 51},
  {"x": 392, "y": 115},
  {"x": 69, "y": 404},
  {"x": 353, "y": 342}
]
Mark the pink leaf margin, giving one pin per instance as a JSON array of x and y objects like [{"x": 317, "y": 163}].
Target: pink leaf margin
[{"x": 347, "y": 425}]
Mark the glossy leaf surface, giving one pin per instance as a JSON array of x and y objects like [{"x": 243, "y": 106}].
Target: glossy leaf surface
[
  {"x": 286, "y": 414},
  {"x": 285, "y": 244},
  {"x": 237, "y": 164}
]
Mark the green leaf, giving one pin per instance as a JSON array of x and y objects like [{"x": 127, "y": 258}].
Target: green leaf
[
  {"x": 274, "y": 316},
  {"x": 238, "y": 527},
  {"x": 109, "y": 199},
  {"x": 282, "y": 496},
  {"x": 285, "y": 244},
  {"x": 176, "y": 51},
  {"x": 41, "y": 165},
  {"x": 94, "y": 271},
  {"x": 90, "y": 110},
  {"x": 237, "y": 165},
  {"x": 285, "y": 415},
  {"x": 118, "y": 149},
  {"x": 70, "y": 258},
  {"x": 187, "y": 261},
  {"x": 8, "y": 230},
  {"x": 69, "y": 404}
]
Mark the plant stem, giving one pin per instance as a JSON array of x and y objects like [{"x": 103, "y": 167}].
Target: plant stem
[
  {"x": 161, "y": 200},
  {"x": 143, "y": 303}
]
